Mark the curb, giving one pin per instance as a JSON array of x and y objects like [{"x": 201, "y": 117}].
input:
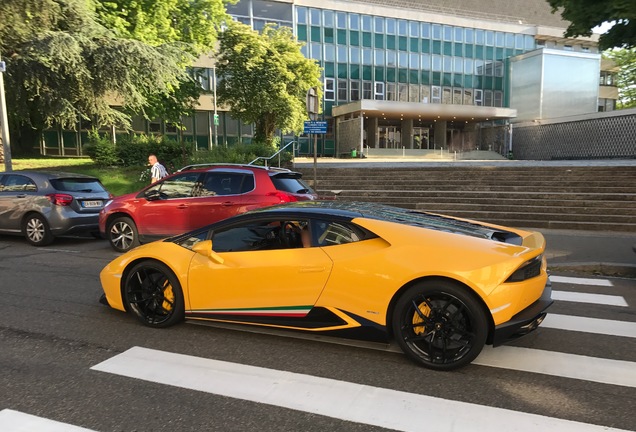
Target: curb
[{"x": 597, "y": 268}]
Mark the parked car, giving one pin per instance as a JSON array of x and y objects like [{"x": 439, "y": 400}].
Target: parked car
[
  {"x": 441, "y": 287},
  {"x": 42, "y": 205},
  {"x": 194, "y": 197}
]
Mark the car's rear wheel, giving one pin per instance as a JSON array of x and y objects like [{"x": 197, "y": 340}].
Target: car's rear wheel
[
  {"x": 122, "y": 234},
  {"x": 440, "y": 325},
  {"x": 153, "y": 293},
  {"x": 36, "y": 230}
]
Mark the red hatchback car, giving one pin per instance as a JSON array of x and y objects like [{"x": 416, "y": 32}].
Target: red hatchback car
[{"x": 195, "y": 197}]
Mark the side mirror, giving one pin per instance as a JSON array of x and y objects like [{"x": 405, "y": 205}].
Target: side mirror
[
  {"x": 205, "y": 248},
  {"x": 152, "y": 195}
]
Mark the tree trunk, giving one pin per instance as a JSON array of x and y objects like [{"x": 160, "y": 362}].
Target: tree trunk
[{"x": 265, "y": 130}]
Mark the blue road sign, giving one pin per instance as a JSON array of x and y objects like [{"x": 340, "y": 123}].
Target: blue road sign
[{"x": 315, "y": 127}]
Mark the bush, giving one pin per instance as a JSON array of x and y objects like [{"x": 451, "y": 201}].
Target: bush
[
  {"x": 101, "y": 150},
  {"x": 239, "y": 154}
]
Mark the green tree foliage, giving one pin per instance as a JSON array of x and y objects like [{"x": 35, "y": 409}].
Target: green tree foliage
[
  {"x": 625, "y": 59},
  {"x": 63, "y": 65},
  {"x": 265, "y": 78},
  {"x": 156, "y": 22},
  {"x": 584, "y": 15}
]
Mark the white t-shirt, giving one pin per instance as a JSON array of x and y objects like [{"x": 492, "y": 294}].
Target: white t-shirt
[{"x": 158, "y": 171}]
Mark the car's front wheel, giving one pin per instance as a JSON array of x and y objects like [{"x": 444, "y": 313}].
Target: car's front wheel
[
  {"x": 439, "y": 324},
  {"x": 36, "y": 230},
  {"x": 122, "y": 234},
  {"x": 153, "y": 293}
]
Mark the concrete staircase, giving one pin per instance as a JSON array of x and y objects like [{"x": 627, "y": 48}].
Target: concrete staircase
[{"x": 598, "y": 198}]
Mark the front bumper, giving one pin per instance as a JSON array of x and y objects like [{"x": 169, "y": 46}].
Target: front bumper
[{"x": 525, "y": 321}]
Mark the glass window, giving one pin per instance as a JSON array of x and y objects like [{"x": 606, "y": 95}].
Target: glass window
[
  {"x": 425, "y": 30},
  {"x": 425, "y": 61},
  {"x": 478, "y": 97},
  {"x": 414, "y": 61},
  {"x": 342, "y": 90},
  {"x": 567, "y": 47},
  {"x": 458, "y": 65},
  {"x": 529, "y": 42},
  {"x": 354, "y": 90},
  {"x": 378, "y": 24},
  {"x": 391, "y": 58},
  {"x": 468, "y": 66},
  {"x": 354, "y": 55},
  {"x": 272, "y": 10},
  {"x": 403, "y": 60},
  {"x": 328, "y": 35},
  {"x": 499, "y": 69},
  {"x": 183, "y": 185},
  {"x": 341, "y": 20},
  {"x": 327, "y": 17},
  {"x": 448, "y": 33},
  {"x": 447, "y": 95},
  {"x": 487, "y": 97},
  {"x": 379, "y": 91},
  {"x": 498, "y": 99},
  {"x": 479, "y": 37},
  {"x": 403, "y": 92},
  {"x": 490, "y": 38},
  {"x": 301, "y": 14},
  {"x": 499, "y": 39},
  {"x": 367, "y": 24},
  {"x": 448, "y": 64},
  {"x": 414, "y": 29},
  {"x": 314, "y": 17},
  {"x": 469, "y": 35},
  {"x": 342, "y": 54},
  {"x": 479, "y": 67},
  {"x": 437, "y": 63},
  {"x": 436, "y": 94},
  {"x": 316, "y": 51},
  {"x": 354, "y": 22},
  {"x": 390, "y": 92},
  {"x": 402, "y": 28},
  {"x": 414, "y": 93},
  {"x": 459, "y": 34},
  {"x": 330, "y": 89},
  {"x": 510, "y": 40},
  {"x": 20, "y": 183},
  {"x": 519, "y": 41},
  {"x": 330, "y": 53},
  {"x": 390, "y": 26},
  {"x": 367, "y": 90},
  {"x": 378, "y": 58},
  {"x": 437, "y": 32},
  {"x": 488, "y": 69},
  {"x": 457, "y": 96},
  {"x": 367, "y": 56},
  {"x": 468, "y": 97}
]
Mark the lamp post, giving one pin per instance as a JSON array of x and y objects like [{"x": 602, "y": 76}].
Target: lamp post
[
  {"x": 4, "y": 122},
  {"x": 216, "y": 115}
]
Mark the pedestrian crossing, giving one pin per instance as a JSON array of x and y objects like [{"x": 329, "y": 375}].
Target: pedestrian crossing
[{"x": 393, "y": 408}]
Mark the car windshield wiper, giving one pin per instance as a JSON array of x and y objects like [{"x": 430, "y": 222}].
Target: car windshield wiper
[{"x": 303, "y": 190}]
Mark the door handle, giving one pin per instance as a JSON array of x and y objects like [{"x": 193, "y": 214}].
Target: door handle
[
  {"x": 227, "y": 203},
  {"x": 182, "y": 206},
  {"x": 312, "y": 269}
]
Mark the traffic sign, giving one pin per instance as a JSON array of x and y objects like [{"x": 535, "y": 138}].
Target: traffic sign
[{"x": 315, "y": 127}]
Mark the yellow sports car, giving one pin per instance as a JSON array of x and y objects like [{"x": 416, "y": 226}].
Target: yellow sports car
[{"x": 441, "y": 287}]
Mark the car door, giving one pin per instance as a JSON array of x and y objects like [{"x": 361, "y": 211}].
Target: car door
[
  {"x": 222, "y": 193},
  {"x": 258, "y": 275},
  {"x": 17, "y": 196},
  {"x": 164, "y": 209}
]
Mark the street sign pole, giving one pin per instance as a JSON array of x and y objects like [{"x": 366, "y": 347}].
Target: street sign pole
[
  {"x": 312, "y": 110},
  {"x": 4, "y": 122}
]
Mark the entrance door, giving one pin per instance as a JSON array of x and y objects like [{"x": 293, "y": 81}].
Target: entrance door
[
  {"x": 421, "y": 139},
  {"x": 390, "y": 137}
]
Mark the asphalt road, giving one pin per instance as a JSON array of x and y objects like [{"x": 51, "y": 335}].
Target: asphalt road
[{"x": 53, "y": 331}]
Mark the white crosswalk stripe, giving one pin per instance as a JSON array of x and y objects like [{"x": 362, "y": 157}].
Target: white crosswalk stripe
[
  {"x": 581, "y": 281},
  {"x": 15, "y": 421},
  {"x": 590, "y": 325},
  {"x": 337, "y": 399},
  {"x": 603, "y": 299}
]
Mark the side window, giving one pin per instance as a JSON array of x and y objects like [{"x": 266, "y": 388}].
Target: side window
[
  {"x": 263, "y": 235},
  {"x": 337, "y": 233},
  {"x": 181, "y": 186},
  {"x": 17, "y": 183},
  {"x": 226, "y": 183}
]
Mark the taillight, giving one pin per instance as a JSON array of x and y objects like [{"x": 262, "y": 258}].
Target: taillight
[
  {"x": 283, "y": 197},
  {"x": 60, "y": 199}
]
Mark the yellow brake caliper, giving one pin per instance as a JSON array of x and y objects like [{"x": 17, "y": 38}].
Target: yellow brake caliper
[
  {"x": 418, "y": 327},
  {"x": 168, "y": 296}
]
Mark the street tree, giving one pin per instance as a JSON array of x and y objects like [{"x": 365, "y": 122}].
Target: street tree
[
  {"x": 584, "y": 15},
  {"x": 264, "y": 78},
  {"x": 625, "y": 59}
]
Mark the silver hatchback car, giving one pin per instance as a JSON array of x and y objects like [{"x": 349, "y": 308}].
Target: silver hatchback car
[{"x": 42, "y": 205}]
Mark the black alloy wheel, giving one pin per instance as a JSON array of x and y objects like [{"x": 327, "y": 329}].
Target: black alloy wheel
[
  {"x": 153, "y": 293},
  {"x": 440, "y": 325},
  {"x": 36, "y": 230},
  {"x": 122, "y": 234}
]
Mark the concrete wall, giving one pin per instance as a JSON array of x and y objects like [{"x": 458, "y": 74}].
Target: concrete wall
[{"x": 349, "y": 135}]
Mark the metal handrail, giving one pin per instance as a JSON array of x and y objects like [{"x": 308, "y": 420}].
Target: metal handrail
[{"x": 292, "y": 143}]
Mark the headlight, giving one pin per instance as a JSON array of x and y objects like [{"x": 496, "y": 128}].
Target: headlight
[{"x": 528, "y": 270}]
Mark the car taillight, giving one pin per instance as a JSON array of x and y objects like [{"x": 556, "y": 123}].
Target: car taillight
[
  {"x": 283, "y": 197},
  {"x": 60, "y": 199}
]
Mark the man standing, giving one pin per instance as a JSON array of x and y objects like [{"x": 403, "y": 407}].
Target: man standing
[{"x": 157, "y": 171}]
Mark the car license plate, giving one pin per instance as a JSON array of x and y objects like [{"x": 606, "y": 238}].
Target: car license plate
[{"x": 91, "y": 204}]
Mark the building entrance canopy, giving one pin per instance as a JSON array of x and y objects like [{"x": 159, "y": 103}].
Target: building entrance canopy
[{"x": 424, "y": 111}]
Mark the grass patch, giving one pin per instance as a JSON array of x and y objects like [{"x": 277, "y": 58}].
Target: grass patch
[{"x": 116, "y": 180}]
